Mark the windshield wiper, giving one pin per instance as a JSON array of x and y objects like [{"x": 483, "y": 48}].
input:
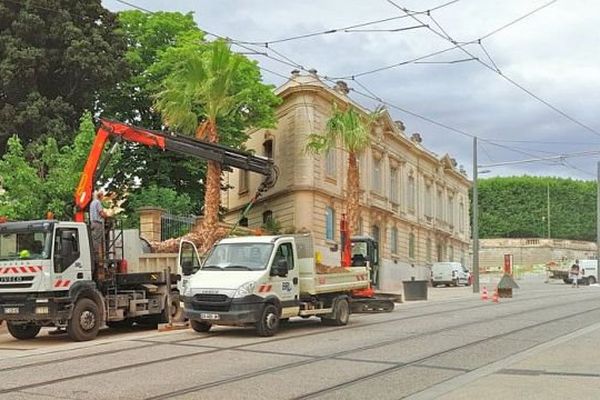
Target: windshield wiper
[
  {"x": 239, "y": 266},
  {"x": 212, "y": 266}
]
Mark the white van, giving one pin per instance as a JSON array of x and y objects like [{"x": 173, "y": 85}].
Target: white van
[
  {"x": 449, "y": 273},
  {"x": 589, "y": 272}
]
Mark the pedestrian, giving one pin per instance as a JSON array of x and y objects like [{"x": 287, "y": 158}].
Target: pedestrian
[
  {"x": 97, "y": 216},
  {"x": 575, "y": 273}
]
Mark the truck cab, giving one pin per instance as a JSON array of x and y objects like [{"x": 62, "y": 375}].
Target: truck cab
[
  {"x": 248, "y": 280},
  {"x": 48, "y": 277}
]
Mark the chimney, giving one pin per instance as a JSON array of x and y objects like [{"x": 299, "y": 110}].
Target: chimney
[
  {"x": 313, "y": 71},
  {"x": 341, "y": 87},
  {"x": 416, "y": 138},
  {"x": 295, "y": 73}
]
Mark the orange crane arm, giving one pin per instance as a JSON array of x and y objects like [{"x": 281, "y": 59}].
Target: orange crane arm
[{"x": 207, "y": 151}]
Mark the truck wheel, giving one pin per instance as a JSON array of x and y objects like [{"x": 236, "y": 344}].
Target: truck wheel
[
  {"x": 85, "y": 321},
  {"x": 23, "y": 331},
  {"x": 269, "y": 321},
  {"x": 591, "y": 280},
  {"x": 199, "y": 326},
  {"x": 176, "y": 310},
  {"x": 341, "y": 314}
]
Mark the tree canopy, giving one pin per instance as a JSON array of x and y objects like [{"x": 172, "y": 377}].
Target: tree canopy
[
  {"x": 55, "y": 56},
  {"x": 44, "y": 181},
  {"x": 518, "y": 207}
]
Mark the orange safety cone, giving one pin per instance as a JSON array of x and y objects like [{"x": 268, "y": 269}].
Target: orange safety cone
[
  {"x": 495, "y": 296},
  {"x": 484, "y": 294}
]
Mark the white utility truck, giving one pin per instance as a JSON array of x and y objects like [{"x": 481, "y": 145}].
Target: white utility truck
[
  {"x": 48, "y": 277},
  {"x": 262, "y": 280}
]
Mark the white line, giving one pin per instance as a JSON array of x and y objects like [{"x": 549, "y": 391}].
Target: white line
[{"x": 450, "y": 385}]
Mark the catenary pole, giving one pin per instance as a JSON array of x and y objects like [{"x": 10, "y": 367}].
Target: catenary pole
[
  {"x": 598, "y": 221},
  {"x": 475, "y": 223}
]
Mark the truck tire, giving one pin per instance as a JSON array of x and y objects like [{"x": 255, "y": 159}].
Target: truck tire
[
  {"x": 23, "y": 331},
  {"x": 341, "y": 314},
  {"x": 176, "y": 310},
  {"x": 199, "y": 326},
  {"x": 268, "y": 323},
  {"x": 591, "y": 280},
  {"x": 85, "y": 321}
]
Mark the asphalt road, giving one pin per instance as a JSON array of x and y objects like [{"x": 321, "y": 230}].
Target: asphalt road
[{"x": 452, "y": 347}]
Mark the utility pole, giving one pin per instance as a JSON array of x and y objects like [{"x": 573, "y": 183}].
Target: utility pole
[
  {"x": 475, "y": 223},
  {"x": 598, "y": 217},
  {"x": 548, "y": 203}
]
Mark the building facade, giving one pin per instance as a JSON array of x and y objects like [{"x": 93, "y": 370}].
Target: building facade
[{"x": 413, "y": 202}]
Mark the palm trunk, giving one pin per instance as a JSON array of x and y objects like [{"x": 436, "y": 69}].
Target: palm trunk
[
  {"x": 212, "y": 194},
  {"x": 353, "y": 190}
]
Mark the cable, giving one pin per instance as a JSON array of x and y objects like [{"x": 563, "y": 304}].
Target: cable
[
  {"x": 343, "y": 29},
  {"x": 513, "y": 82},
  {"x": 135, "y": 6},
  {"x": 371, "y": 94},
  {"x": 487, "y": 35}
]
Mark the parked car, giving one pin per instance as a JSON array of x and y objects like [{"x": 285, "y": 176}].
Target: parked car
[{"x": 450, "y": 274}]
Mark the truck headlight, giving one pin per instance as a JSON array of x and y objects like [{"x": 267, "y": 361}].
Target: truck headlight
[
  {"x": 187, "y": 289},
  {"x": 244, "y": 290}
]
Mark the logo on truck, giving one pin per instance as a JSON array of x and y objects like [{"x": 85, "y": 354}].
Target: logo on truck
[{"x": 11, "y": 278}]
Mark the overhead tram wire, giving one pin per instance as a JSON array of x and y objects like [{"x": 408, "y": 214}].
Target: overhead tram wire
[
  {"x": 497, "y": 71},
  {"x": 371, "y": 95},
  {"x": 267, "y": 43}
]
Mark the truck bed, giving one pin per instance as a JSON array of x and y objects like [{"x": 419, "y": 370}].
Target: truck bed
[{"x": 313, "y": 283}]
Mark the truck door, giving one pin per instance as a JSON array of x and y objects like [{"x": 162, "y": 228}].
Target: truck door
[
  {"x": 70, "y": 256},
  {"x": 285, "y": 286},
  {"x": 188, "y": 263}
]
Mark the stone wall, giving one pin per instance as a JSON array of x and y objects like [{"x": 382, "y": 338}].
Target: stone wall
[{"x": 528, "y": 252}]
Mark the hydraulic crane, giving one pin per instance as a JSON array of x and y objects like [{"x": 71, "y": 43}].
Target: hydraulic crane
[{"x": 119, "y": 131}]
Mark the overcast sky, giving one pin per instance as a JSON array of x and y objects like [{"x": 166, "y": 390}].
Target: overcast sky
[{"x": 553, "y": 53}]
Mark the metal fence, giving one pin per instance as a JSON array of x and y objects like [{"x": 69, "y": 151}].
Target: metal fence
[{"x": 173, "y": 226}]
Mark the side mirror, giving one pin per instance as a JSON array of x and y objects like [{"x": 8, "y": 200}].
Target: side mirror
[
  {"x": 187, "y": 267},
  {"x": 280, "y": 269}
]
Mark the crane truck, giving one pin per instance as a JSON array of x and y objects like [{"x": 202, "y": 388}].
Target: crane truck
[{"x": 50, "y": 275}]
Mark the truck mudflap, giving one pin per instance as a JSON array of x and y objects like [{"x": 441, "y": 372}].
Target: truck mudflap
[
  {"x": 238, "y": 312},
  {"x": 35, "y": 309},
  {"x": 370, "y": 305}
]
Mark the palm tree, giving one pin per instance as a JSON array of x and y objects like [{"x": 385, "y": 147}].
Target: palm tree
[
  {"x": 351, "y": 130},
  {"x": 196, "y": 94}
]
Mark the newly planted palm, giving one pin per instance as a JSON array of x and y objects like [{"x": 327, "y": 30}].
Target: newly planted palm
[
  {"x": 350, "y": 130},
  {"x": 198, "y": 92}
]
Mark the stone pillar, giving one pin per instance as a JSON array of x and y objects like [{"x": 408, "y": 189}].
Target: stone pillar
[{"x": 150, "y": 222}]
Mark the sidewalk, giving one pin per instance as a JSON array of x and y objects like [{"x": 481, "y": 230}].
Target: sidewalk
[{"x": 564, "y": 368}]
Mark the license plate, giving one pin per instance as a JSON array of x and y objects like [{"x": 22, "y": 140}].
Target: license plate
[
  {"x": 11, "y": 310},
  {"x": 209, "y": 316}
]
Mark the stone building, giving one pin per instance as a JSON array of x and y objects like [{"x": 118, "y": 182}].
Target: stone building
[{"x": 414, "y": 202}]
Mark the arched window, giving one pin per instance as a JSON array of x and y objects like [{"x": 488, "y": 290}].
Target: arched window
[{"x": 329, "y": 223}]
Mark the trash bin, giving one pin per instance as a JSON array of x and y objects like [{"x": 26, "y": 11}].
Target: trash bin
[{"x": 415, "y": 290}]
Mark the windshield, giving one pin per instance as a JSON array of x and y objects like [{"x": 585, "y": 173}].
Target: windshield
[
  {"x": 25, "y": 245},
  {"x": 239, "y": 256}
]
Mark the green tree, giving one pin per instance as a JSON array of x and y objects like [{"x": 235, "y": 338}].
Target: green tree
[
  {"x": 20, "y": 196},
  {"x": 213, "y": 94},
  {"x": 167, "y": 198},
  {"x": 518, "y": 207},
  {"x": 55, "y": 56},
  {"x": 350, "y": 130},
  {"x": 46, "y": 180}
]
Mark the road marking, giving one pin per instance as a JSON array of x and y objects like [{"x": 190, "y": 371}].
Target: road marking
[{"x": 452, "y": 384}]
